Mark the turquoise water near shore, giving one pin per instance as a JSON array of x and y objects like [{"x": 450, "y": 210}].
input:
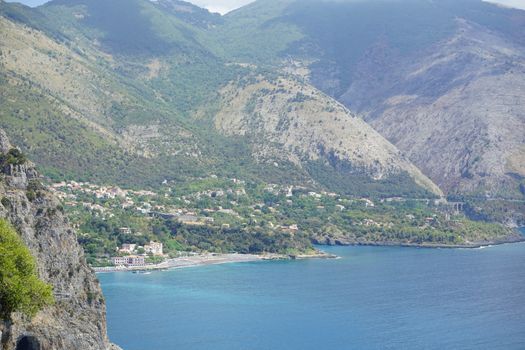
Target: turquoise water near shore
[{"x": 370, "y": 298}]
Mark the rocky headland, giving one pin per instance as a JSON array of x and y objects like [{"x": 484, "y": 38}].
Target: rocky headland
[{"x": 77, "y": 320}]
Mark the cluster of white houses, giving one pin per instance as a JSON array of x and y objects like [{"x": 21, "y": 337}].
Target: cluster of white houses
[{"x": 153, "y": 248}]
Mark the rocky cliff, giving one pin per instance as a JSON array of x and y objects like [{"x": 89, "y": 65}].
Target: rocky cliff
[{"x": 77, "y": 320}]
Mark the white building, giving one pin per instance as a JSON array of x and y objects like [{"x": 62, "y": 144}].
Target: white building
[
  {"x": 133, "y": 260},
  {"x": 128, "y": 248},
  {"x": 154, "y": 248}
]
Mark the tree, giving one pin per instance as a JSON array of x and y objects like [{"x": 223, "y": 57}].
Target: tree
[{"x": 20, "y": 288}]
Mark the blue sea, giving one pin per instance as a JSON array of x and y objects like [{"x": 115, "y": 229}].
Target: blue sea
[{"x": 370, "y": 298}]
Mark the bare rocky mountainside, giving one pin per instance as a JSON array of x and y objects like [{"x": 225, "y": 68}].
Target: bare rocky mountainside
[
  {"x": 77, "y": 319},
  {"x": 456, "y": 109},
  {"x": 452, "y": 99}
]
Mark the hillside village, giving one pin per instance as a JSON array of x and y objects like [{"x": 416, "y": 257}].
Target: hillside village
[{"x": 133, "y": 227}]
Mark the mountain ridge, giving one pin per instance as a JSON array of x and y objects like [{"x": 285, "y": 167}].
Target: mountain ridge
[
  {"x": 120, "y": 117},
  {"x": 361, "y": 57}
]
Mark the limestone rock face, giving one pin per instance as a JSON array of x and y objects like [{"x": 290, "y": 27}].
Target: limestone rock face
[{"x": 77, "y": 320}]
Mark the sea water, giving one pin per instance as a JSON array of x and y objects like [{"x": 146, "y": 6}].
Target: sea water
[{"x": 369, "y": 298}]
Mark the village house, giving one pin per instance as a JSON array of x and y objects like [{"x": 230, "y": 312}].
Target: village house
[
  {"x": 119, "y": 260},
  {"x": 93, "y": 207},
  {"x": 144, "y": 210},
  {"x": 143, "y": 193},
  {"x": 127, "y": 204},
  {"x": 125, "y": 230},
  {"x": 368, "y": 202},
  {"x": 227, "y": 211},
  {"x": 290, "y": 229},
  {"x": 130, "y": 261},
  {"x": 314, "y": 194},
  {"x": 189, "y": 220},
  {"x": 128, "y": 248},
  {"x": 368, "y": 222},
  {"x": 59, "y": 185},
  {"x": 154, "y": 248}
]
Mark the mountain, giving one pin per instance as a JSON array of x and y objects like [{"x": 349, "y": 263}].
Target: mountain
[
  {"x": 299, "y": 124},
  {"x": 441, "y": 80},
  {"x": 77, "y": 319},
  {"x": 141, "y": 94},
  {"x": 468, "y": 132},
  {"x": 149, "y": 95},
  {"x": 31, "y": 3}
]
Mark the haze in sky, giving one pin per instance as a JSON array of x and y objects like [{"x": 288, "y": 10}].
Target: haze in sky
[
  {"x": 225, "y": 6},
  {"x": 520, "y": 4},
  {"x": 220, "y": 6}
]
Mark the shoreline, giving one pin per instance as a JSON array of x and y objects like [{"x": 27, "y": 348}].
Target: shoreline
[
  {"x": 210, "y": 259},
  {"x": 219, "y": 259},
  {"x": 184, "y": 262},
  {"x": 471, "y": 245}
]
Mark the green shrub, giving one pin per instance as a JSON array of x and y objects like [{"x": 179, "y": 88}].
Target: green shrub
[
  {"x": 34, "y": 190},
  {"x": 20, "y": 288},
  {"x": 13, "y": 157}
]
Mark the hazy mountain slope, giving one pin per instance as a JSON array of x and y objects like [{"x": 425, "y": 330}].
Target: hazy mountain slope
[
  {"x": 75, "y": 116},
  {"x": 88, "y": 115},
  {"x": 287, "y": 119},
  {"x": 428, "y": 75},
  {"x": 111, "y": 108},
  {"x": 162, "y": 43},
  {"x": 190, "y": 13},
  {"x": 254, "y": 33},
  {"x": 122, "y": 27},
  {"x": 458, "y": 112}
]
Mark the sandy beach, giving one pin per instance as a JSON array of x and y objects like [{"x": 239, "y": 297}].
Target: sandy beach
[
  {"x": 187, "y": 261},
  {"x": 209, "y": 259}
]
